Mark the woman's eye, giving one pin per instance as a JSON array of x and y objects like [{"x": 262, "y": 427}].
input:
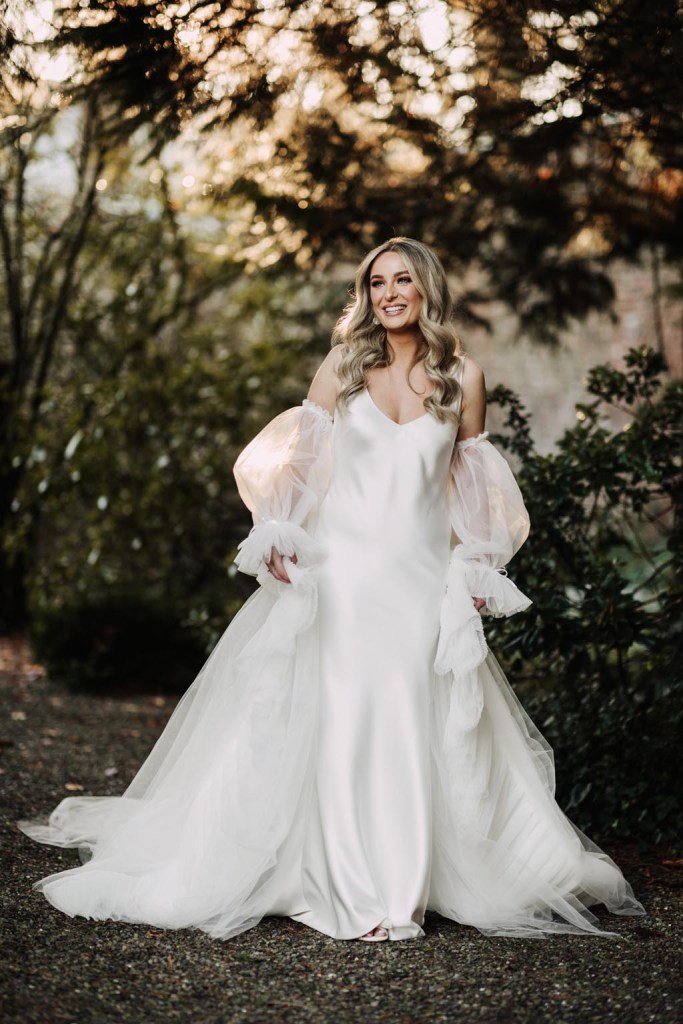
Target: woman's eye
[{"x": 404, "y": 280}]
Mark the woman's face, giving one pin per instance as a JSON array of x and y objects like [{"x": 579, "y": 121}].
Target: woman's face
[{"x": 396, "y": 301}]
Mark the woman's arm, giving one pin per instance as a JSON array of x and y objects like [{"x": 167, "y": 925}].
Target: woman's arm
[
  {"x": 472, "y": 415},
  {"x": 323, "y": 392},
  {"x": 282, "y": 476},
  {"x": 487, "y": 510},
  {"x": 473, "y": 408}
]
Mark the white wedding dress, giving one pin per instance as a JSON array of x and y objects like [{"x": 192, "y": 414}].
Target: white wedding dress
[{"x": 351, "y": 754}]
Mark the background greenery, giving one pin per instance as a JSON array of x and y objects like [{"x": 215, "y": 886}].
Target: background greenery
[
  {"x": 597, "y": 659},
  {"x": 184, "y": 192}
]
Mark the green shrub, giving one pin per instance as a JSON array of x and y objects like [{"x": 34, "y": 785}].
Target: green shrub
[
  {"x": 617, "y": 755},
  {"x": 597, "y": 658},
  {"x": 121, "y": 642}
]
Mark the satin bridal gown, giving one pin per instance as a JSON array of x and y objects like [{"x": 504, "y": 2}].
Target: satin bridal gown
[{"x": 351, "y": 754}]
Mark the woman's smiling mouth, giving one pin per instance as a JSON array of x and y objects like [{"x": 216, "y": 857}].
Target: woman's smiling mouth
[{"x": 393, "y": 310}]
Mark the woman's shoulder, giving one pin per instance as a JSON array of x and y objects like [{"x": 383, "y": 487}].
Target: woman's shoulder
[
  {"x": 473, "y": 403},
  {"x": 326, "y": 385},
  {"x": 471, "y": 375}
]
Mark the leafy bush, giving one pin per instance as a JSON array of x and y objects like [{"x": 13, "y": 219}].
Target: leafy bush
[
  {"x": 597, "y": 657},
  {"x": 126, "y": 641},
  {"x": 128, "y": 486}
]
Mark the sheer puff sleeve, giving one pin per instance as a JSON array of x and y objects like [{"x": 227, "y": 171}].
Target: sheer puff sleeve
[
  {"x": 491, "y": 523},
  {"x": 490, "y": 520},
  {"x": 282, "y": 475}
]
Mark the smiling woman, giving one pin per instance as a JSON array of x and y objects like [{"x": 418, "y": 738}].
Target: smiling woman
[
  {"x": 351, "y": 755},
  {"x": 396, "y": 337},
  {"x": 395, "y": 298}
]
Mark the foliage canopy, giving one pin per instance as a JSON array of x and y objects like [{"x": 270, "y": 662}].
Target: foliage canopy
[{"x": 535, "y": 140}]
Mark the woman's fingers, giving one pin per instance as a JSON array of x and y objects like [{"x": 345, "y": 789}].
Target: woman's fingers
[
  {"x": 479, "y": 603},
  {"x": 276, "y": 566}
]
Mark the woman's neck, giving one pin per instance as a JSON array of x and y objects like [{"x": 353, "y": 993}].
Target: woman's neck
[{"x": 405, "y": 346}]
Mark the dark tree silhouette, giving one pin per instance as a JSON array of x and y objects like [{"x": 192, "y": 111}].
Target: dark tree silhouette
[{"x": 537, "y": 140}]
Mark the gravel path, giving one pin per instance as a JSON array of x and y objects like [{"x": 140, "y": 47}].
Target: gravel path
[{"x": 80, "y": 972}]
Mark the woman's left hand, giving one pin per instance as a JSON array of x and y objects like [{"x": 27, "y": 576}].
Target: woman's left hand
[
  {"x": 479, "y": 603},
  {"x": 276, "y": 566}
]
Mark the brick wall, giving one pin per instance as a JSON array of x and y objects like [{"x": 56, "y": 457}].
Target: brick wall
[{"x": 551, "y": 381}]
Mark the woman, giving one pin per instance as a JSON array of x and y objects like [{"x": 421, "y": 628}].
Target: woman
[{"x": 351, "y": 754}]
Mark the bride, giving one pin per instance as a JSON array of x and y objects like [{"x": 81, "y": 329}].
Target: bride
[{"x": 351, "y": 754}]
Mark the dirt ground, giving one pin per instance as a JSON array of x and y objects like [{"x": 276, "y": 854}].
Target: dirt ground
[{"x": 55, "y": 969}]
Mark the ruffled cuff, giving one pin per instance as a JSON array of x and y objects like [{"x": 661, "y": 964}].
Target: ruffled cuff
[
  {"x": 462, "y": 644},
  {"x": 287, "y": 538},
  {"x": 461, "y": 648},
  {"x": 292, "y": 613},
  {"x": 502, "y": 596}
]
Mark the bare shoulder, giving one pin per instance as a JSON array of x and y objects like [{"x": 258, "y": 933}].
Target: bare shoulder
[
  {"x": 325, "y": 385},
  {"x": 473, "y": 381}
]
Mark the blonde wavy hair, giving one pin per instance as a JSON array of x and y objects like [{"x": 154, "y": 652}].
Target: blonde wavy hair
[{"x": 365, "y": 343}]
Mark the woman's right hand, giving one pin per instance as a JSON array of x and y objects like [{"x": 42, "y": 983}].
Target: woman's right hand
[{"x": 276, "y": 566}]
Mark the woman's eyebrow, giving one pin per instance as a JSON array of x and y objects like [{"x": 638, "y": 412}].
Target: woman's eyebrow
[{"x": 380, "y": 277}]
